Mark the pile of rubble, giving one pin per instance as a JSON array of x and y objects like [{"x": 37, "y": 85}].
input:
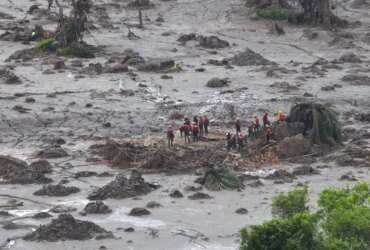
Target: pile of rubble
[
  {"x": 65, "y": 227},
  {"x": 15, "y": 171}
]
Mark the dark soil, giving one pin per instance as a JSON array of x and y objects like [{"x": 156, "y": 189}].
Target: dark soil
[
  {"x": 65, "y": 227},
  {"x": 57, "y": 190},
  {"x": 97, "y": 207},
  {"x": 122, "y": 187}
]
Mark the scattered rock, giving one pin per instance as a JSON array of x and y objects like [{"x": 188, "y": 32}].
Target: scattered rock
[
  {"x": 138, "y": 211},
  {"x": 15, "y": 171},
  {"x": 217, "y": 83},
  {"x": 61, "y": 209},
  {"x": 305, "y": 170},
  {"x": 121, "y": 188},
  {"x": 157, "y": 65},
  {"x": 187, "y": 37},
  {"x": 357, "y": 79},
  {"x": 176, "y": 194},
  {"x": 41, "y": 166},
  {"x": 348, "y": 177},
  {"x": 363, "y": 117},
  {"x": 30, "y": 100},
  {"x": 284, "y": 86},
  {"x": 212, "y": 42},
  {"x": 241, "y": 211},
  {"x": 56, "y": 190},
  {"x": 117, "y": 68},
  {"x": 129, "y": 230},
  {"x": 42, "y": 215},
  {"x": 8, "y": 77},
  {"x": 52, "y": 153},
  {"x": 350, "y": 58},
  {"x": 153, "y": 204},
  {"x": 256, "y": 183},
  {"x": 21, "y": 109},
  {"x": 200, "y": 196},
  {"x": 65, "y": 227},
  {"x": 250, "y": 58},
  {"x": 84, "y": 174},
  {"x": 141, "y": 4},
  {"x": 97, "y": 207}
]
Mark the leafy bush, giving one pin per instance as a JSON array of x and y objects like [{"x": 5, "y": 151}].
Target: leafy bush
[
  {"x": 287, "y": 205},
  {"x": 341, "y": 223},
  {"x": 295, "y": 233},
  {"x": 273, "y": 13},
  {"x": 46, "y": 44},
  {"x": 77, "y": 50}
]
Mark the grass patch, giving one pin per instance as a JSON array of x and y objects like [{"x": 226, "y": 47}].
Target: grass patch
[
  {"x": 46, "y": 45},
  {"x": 273, "y": 13}
]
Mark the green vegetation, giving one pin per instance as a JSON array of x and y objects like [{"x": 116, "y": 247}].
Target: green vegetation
[
  {"x": 287, "y": 205},
  {"x": 77, "y": 50},
  {"x": 273, "y": 13},
  {"x": 342, "y": 222},
  {"x": 220, "y": 178},
  {"x": 46, "y": 44}
]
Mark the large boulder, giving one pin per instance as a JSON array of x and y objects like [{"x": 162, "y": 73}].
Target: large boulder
[
  {"x": 294, "y": 146},
  {"x": 217, "y": 83}
]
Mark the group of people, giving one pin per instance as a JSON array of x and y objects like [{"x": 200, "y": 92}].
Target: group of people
[
  {"x": 238, "y": 139},
  {"x": 199, "y": 128},
  {"x": 196, "y": 129}
]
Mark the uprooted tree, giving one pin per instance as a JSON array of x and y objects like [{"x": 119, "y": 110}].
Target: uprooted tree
[
  {"x": 316, "y": 12},
  {"x": 67, "y": 40},
  {"x": 71, "y": 29}
]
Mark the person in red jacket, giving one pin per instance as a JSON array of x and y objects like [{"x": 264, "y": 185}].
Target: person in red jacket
[
  {"x": 268, "y": 131},
  {"x": 201, "y": 126},
  {"x": 265, "y": 120},
  {"x": 205, "y": 124},
  {"x": 170, "y": 136},
  {"x": 186, "y": 131},
  {"x": 256, "y": 123}
]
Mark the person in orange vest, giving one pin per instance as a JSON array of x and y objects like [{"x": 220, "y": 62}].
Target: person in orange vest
[
  {"x": 268, "y": 131},
  {"x": 256, "y": 123},
  {"x": 265, "y": 120},
  {"x": 205, "y": 123},
  {"x": 281, "y": 116},
  {"x": 195, "y": 130},
  {"x": 170, "y": 136}
]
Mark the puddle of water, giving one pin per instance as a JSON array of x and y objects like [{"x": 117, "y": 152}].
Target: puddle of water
[{"x": 22, "y": 213}]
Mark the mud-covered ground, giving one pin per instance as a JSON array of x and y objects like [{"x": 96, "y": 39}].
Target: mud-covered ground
[{"x": 76, "y": 108}]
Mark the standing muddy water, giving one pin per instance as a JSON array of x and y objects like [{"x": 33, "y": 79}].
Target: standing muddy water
[{"x": 91, "y": 121}]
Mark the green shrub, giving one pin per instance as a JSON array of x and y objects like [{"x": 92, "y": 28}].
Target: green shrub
[
  {"x": 342, "y": 222},
  {"x": 287, "y": 205},
  {"x": 46, "y": 44},
  {"x": 77, "y": 50},
  {"x": 345, "y": 198},
  {"x": 273, "y": 13},
  {"x": 295, "y": 233}
]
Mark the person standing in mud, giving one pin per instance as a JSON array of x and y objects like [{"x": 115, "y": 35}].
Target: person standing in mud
[
  {"x": 195, "y": 119},
  {"x": 195, "y": 130},
  {"x": 205, "y": 124},
  {"x": 265, "y": 120},
  {"x": 170, "y": 137},
  {"x": 237, "y": 126},
  {"x": 201, "y": 126},
  {"x": 187, "y": 121},
  {"x": 228, "y": 141},
  {"x": 186, "y": 130},
  {"x": 268, "y": 132},
  {"x": 256, "y": 123}
]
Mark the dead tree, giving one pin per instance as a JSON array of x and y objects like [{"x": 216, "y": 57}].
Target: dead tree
[{"x": 71, "y": 29}]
